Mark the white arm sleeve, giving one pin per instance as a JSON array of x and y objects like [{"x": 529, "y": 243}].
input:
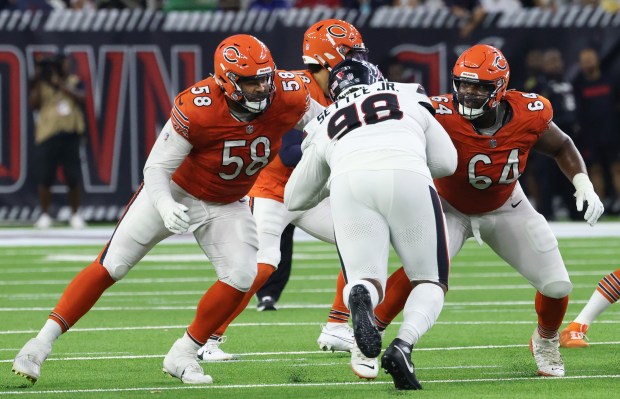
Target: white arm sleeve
[
  {"x": 306, "y": 186},
  {"x": 167, "y": 154},
  {"x": 441, "y": 156},
  {"x": 313, "y": 111}
]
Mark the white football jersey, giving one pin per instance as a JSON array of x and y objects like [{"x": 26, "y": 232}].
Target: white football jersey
[{"x": 384, "y": 126}]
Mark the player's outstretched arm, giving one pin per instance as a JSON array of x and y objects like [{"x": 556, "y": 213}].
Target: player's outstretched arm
[
  {"x": 558, "y": 145},
  {"x": 306, "y": 186}
]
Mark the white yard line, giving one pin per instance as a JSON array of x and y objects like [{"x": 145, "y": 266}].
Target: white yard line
[
  {"x": 100, "y": 235},
  {"x": 282, "y": 324},
  {"x": 300, "y": 385}
]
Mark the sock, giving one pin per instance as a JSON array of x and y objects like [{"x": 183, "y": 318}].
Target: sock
[
  {"x": 340, "y": 312},
  {"x": 264, "y": 271},
  {"x": 421, "y": 312},
  {"x": 189, "y": 341},
  {"x": 50, "y": 332},
  {"x": 550, "y": 312},
  {"x": 81, "y": 295},
  {"x": 372, "y": 290},
  {"x": 397, "y": 290},
  {"x": 606, "y": 294},
  {"x": 215, "y": 307}
]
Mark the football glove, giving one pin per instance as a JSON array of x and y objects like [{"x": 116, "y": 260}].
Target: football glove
[
  {"x": 174, "y": 215},
  {"x": 585, "y": 192}
]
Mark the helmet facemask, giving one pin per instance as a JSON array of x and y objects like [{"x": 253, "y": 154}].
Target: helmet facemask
[
  {"x": 255, "y": 100},
  {"x": 482, "y": 98}
]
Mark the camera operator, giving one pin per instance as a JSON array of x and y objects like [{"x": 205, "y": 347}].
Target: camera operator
[{"x": 57, "y": 96}]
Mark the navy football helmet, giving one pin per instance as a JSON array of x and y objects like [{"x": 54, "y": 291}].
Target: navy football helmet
[{"x": 350, "y": 75}]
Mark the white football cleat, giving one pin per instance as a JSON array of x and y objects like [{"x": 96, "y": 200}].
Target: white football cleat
[
  {"x": 546, "y": 352},
  {"x": 28, "y": 361},
  {"x": 211, "y": 351},
  {"x": 336, "y": 337},
  {"x": 363, "y": 367},
  {"x": 180, "y": 362}
]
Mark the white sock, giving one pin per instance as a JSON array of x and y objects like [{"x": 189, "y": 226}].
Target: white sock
[
  {"x": 374, "y": 294},
  {"x": 421, "y": 312},
  {"x": 595, "y": 306},
  {"x": 50, "y": 332},
  {"x": 190, "y": 342}
]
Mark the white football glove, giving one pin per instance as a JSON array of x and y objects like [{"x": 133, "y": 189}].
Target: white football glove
[
  {"x": 174, "y": 215},
  {"x": 585, "y": 191}
]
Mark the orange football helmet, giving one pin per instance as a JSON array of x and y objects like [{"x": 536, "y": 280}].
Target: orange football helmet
[
  {"x": 483, "y": 66},
  {"x": 244, "y": 58},
  {"x": 330, "y": 41}
]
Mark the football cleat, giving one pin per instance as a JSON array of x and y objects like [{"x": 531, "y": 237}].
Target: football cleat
[
  {"x": 367, "y": 335},
  {"x": 362, "y": 366},
  {"x": 574, "y": 336},
  {"x": 396, "y": 361},
  {"x": 266, "y": 303},
  {"x": 336, "y": 337},
  {"x": 28, "y": 361},
  {"x": 181, "y": 363},
  {"x": 211, "y": 351},
  {"x": 547, "y": 355}
]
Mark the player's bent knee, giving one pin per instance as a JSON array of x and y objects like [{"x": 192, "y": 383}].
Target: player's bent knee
[
  {"x": 116, "y": 270},
  {"x": 441, "y": 285},
  {"x": 557, "y": 289},
  {"x": 270, "y": 256},
  {"x": 240, "y": 279}
]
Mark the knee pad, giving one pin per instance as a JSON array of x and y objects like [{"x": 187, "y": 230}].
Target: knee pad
[
  {"x": 240, "y": 279},
  {"x": 270, "y": 255},
  {"x": 540, "y": 234},
  {"x": 557, "y": 289},
  {"x": 116, "y": 267}
]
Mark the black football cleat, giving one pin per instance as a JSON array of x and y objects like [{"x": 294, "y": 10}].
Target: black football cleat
[
  {"x": 266, "y": 303},
  {"x": 367, "y": 335},
  {"x": 396, "y": 361}
]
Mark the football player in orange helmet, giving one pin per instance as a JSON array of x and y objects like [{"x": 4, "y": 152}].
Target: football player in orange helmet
[
  {"x": 325, "y": 44},
  {"x": 479, "y": 81},
  {"x": 494, "y": 130},
  {"x": 245, "y": 70},
  {"x": 196, "y": 179}
]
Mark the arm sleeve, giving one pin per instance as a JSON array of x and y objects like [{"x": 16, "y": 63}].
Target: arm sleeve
[
  {"x": 313, "y": 110},
  {"x": 306, "y": 186},
  {"x": 167, "y": 154},
  {"x": 441, "y": 156},
  {"x": 290, "y": 152}
]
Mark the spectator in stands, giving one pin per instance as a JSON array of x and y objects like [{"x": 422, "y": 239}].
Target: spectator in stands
[
  {"x": 318, "y": 3},
  {"x": 57, "y": 96},
  {"x": 543, "y": 177},
  {"x": 269, "y": 4},
  {"x": 598, "y": 102},
  {"x": 533, "y": 70}
]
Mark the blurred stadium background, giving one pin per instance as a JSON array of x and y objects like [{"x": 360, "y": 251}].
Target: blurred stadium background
[{"x": 134, "y": 56}]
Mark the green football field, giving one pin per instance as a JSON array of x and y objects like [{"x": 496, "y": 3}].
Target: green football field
[{"x": 478, "y": 348}]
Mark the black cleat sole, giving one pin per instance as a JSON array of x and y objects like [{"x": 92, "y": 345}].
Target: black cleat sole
[{"x": 365, "y": 330}]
